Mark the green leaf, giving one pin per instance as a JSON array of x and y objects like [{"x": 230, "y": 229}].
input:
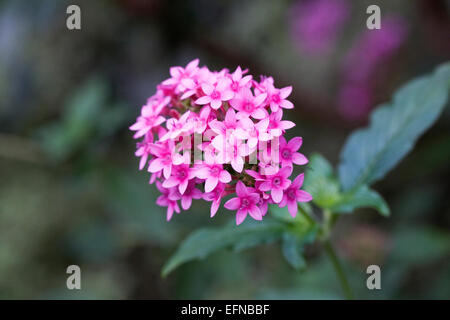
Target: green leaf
[
  {"x": 321, "y": 182},
  {"x": 299, "y": 231},
  {"x": 371, "y": 152},
  {"x": 292, "y": 252},
  {"x": 294, "y": 242},
  {"x": 204, "y": 242},
  {"x": 363, "y": 196},
  {"x": 78, "y": 123},
  {"x": 323, "y": 185},
  {"x": 283, "y": 214}
]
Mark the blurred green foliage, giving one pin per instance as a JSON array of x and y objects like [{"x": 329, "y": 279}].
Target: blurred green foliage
[{"x": 70, "y": 191}]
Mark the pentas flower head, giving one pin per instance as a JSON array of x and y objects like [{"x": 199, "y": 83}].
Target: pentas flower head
[{"x": 209, "y": 135}]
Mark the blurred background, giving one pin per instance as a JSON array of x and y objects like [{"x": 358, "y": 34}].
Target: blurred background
[{"x": 70, "y": 189}]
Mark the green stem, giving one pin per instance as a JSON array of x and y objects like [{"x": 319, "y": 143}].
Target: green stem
[
  {"x": 338, "y": 268},
  {"x": 306, "y": 214}
]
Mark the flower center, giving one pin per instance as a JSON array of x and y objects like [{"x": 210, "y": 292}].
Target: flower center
[
  {"x": 276, "y": 98},
  {"x": 276, "y": 181},
  {"x": 182, "y": 174},
  {"x": 215, "y": 95},
  {"x": 234, "y": 86},
  {"x": 286, "y": 154},
  {"x": 215, "y": 171},
  {"x": 291, "y": 194},
  {"x": 244, "y": 203},
  {"x": 248, "y": 106},
  {"x": 167, "y": 159}
]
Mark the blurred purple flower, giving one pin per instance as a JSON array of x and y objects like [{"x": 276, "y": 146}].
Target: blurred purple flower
[
  {"x": 315, "y": 24},
  {"x": 372, "y": 49},
  {"x": 355, "y": 100}
]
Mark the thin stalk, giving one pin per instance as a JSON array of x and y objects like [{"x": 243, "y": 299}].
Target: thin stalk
[
  {"x": 339, "y": 270},
  {"x": 306, "y": 214}
]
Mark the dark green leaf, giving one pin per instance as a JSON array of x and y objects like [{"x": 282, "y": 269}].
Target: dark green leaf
[
  {"x": 371, "y": 152},
  {"x": 283, "y": 214},
  {"x": 363, "y": 196},
  {"x": 300, "y": 231},
  {"x": 321, "y": 182},
  {"x": 204, "y": 242},
  {"x": 294, "y": 242},
  {"x": 292, "y": 252},
  {"x": 80, "y": 115}
]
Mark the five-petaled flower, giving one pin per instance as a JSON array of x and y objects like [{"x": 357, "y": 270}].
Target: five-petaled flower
[
  {"x": 289, "y": 154},
  {"x": 245, "y": 203},
  {"x": 293, "y": 195}
]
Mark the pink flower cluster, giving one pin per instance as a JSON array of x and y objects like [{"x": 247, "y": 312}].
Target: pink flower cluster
[{"x": 208, "y": 134}]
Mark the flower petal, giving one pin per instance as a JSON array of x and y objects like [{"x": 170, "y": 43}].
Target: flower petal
[
  {"x": 240, "y": 216},
  {"x": 224, "y": 176},
  {"x": 303, "y": 196},
  {"x": 233, "y": 204},
  {"x": 299, "y": 159},
  {"x": 285, "y": 92},
  {"x": 203, "y": 100},
  {"x": 292, "y": 208},
  {"x": 211, "y": 183},
  {"x": 277, "y": 195},
  {"x": 186, "y": 202},
  {"x": 255, "y": 213},
  {"x": 241, "y": 189}
]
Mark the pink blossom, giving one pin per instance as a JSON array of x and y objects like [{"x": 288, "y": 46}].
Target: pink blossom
[
  {"x": 215, "y": 196},
  {"x": 149, "y": 118},
  {"x": 165, "y": 158},
  {"x": 276, "y": 183},
  {"x": 293, "y": 195},
  {"x": 168, "y": 198},
  {"x": 236, "y": 116},
  {"x": 181, "y": 174},
  {"x": 278, "y": 126},
  {"x": 245, "y": 203},
  {"x": 202, "y": 120},
  {"x": 231, "y": 150},
  {"x": 215, "y": 95},
  {"x": 190, "y": 193},
  {"x": 229, "y": 124},
  {"x": 277, "y": 98},
  {"x": 212, "y": 174},
  {"x": 253, "y": 132},
  {"x": 289, "y": 154},
  {"x": 193, "y": 84},
  {"x": 178, "y": 127},
  {"x": 247, "y": 105},
  {"x": 263, "y": 203},
  {"x": 238, "y": 82},
  {"x": 143, "y": 150},
  {"x": 179, "y": 73}
]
